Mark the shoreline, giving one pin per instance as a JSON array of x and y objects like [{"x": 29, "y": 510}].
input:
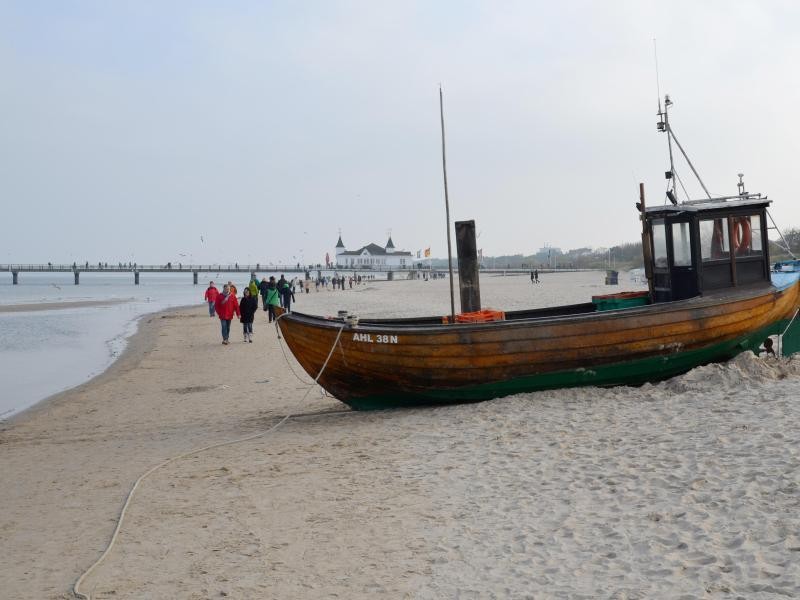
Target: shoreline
[
  {"x": 136, "y": 345},
  {"x": 132, "y": 344}
]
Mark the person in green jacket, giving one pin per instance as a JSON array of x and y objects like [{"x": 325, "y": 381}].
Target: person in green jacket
[{"x": 272, "y": 298}]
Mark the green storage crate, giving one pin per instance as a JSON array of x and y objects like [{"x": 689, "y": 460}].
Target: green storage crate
[{"x": 622, "y": 300}]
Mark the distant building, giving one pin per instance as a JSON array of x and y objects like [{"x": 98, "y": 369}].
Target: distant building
[
  {"x": 549, "y": 250},
  {"x": 372, "y": 256}
]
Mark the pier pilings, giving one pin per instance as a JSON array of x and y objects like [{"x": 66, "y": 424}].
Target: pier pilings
[{"x": 15, "y": 277}]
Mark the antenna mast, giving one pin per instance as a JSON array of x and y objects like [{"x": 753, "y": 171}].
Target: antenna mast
[
  {"x": 658, "y": 83},
  {"x": 663, "y": 125}
]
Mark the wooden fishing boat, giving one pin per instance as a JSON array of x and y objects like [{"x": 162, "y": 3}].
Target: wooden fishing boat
[
  {"x": 711, "y": 296},
  {"x": 401, "y": 362}
]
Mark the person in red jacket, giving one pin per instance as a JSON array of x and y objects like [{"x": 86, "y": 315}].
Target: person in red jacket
[
  {"x": 211, "y": 297},
  {"x": 227, "y": 306}
]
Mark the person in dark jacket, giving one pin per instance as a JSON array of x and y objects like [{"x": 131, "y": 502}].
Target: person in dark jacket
[
  {"x": 287, "y": 295},
  {"x": 281, "y": 282},
  {"x": 262, "y": 289},
  {"x": 247, "y": 308}
]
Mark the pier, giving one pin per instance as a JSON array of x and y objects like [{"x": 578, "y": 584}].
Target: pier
[{"x": 136, "y": 270}]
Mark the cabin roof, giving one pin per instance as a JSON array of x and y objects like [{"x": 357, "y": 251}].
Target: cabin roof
[{"x": 699, "y": 206}]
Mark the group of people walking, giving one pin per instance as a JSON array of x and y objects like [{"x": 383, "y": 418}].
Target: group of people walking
[
  {"x": 226, "y": 305},
  {"x": 339, "y": 282}
]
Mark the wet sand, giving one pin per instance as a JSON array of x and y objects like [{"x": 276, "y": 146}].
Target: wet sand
[
  {"x": 687, "y": 488},
  {"x": 40, "y": 306}
]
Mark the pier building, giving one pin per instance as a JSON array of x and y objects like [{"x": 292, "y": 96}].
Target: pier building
[{"x": 373, "y": 256}]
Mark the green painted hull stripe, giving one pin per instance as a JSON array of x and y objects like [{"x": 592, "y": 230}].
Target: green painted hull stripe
[{"x": 634, "y": 372}]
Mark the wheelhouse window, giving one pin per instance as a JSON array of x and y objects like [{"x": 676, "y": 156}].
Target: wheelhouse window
[
  {"x": 747, "y": 236},
  {"x": 659, "y": 243},
  {"x": 714, "y": 243},
  {"x": 681, "y": 245}
]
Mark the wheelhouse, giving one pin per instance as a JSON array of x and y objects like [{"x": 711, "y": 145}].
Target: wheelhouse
[{"x": 699, "y": 247}]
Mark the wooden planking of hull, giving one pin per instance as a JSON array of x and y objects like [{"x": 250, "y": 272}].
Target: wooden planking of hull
[{"x": 404, "y": 362}]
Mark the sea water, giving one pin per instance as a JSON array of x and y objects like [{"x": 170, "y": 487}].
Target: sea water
[{"x": 43, "y": 352}]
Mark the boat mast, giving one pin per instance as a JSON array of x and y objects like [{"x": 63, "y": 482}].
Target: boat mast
[
  {"x": 447, "y": 210},
  {"x": 663, "y": 125}
]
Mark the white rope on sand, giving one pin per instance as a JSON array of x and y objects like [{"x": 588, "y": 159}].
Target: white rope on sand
[
  {"x": 288, "y": 362},
  {"x": 76, "y": 589},
  {"x": 286, "y": 358}
]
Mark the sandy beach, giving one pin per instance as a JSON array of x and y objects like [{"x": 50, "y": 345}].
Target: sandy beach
[{"x": 684, "y": 489}]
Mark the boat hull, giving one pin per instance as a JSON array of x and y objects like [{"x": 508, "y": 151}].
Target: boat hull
[{"x": 385, "y": 364}]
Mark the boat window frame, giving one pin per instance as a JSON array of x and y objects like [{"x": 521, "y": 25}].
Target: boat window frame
[
  {"x": 724, "y": 230},
  {"x": 753, "y": 255},
  {"x": 654, "y": 224},
  {"x": 688, "y": 247}
]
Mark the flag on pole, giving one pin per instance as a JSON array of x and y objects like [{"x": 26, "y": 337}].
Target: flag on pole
[
  {"x": 327, "y": 259},
  {"x": 427, "y": 252}
]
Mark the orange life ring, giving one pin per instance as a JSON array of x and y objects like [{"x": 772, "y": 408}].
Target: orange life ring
[{"x": 742, "y": 234}]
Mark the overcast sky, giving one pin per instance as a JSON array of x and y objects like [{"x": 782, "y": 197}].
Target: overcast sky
[{"x": 131, "y": 129}]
